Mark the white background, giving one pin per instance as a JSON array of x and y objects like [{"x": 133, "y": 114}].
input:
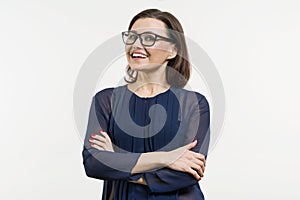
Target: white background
[{"x": 254, "y": 44}]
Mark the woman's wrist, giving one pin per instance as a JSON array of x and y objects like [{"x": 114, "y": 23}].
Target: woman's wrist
[
  {"x": 151, "y": 161},
  {"x": 156, "y": 160},
  {"x": 172, "y": 156}
]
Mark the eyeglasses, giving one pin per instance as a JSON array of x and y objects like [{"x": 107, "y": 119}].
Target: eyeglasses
[{"x": 147, "y": 39}]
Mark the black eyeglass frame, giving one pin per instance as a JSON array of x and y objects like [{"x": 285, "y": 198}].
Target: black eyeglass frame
[{"x": 156, "y": 36}]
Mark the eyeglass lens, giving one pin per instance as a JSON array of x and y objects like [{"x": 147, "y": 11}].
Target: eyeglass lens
[{"x": 147, "y": 39}]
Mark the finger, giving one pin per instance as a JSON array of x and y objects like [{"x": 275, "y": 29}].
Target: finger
[
  {"x": 96, "y": 146},
  {"x": 199, "y": 169},
  {"x": 105, "y": 135},
  {"x": 196, "y": 167},
  {"x": 200, "y": 157},
  {"x": 192, "y": 145},
  {"x": 199, "y": 163},
  {"x": 194, "y": 173},
  {"x": 193, "y": 157},
  {"x": 196, "y": 155},
  {"x": 97, "y": 142},
  {"x": 99, "y": 137},
  {"x": 202, "y": 166}
]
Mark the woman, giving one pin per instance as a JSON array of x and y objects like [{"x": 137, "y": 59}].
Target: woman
[{"x": 145, "y": 139}]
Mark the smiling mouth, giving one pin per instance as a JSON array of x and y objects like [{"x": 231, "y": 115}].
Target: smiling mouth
[{"x": 135, "y": 55}]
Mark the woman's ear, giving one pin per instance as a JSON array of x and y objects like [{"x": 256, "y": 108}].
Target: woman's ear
[{"x": 173, "y": 53}]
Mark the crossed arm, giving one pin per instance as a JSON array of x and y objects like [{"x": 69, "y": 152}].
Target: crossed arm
[
  {"x": 180, "y": 159},
  {"x": 159, "y": 170}
]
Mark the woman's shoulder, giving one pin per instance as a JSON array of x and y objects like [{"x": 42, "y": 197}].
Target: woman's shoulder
[
  {"x": 191, "y": 100},
  {"x": 106, "y": 93},
  {"x": 189, "y": 94}
]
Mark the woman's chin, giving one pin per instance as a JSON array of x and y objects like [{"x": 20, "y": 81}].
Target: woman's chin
[
  {"x": 145, "y": 67},
  {"x": 138, "y": 67}
]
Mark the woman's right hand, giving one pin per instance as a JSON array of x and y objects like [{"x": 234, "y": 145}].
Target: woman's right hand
[{"x": 188, "y": 161}]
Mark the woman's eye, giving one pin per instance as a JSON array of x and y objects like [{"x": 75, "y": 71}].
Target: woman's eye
[
  {"x": 132, "y": 37},
  {"x": 149, "y": 38}
]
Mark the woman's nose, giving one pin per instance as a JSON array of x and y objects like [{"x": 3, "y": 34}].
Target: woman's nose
[{"x": 138, "y": 43}]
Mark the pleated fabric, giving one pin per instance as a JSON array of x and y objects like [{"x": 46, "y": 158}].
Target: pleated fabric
[{"x": 137, "y": 125}]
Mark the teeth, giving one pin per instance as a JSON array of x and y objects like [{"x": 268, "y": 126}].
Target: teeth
[{"x": 138, "y": 55}]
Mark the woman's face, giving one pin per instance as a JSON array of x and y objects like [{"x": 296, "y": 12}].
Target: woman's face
[{"x": 144, "y": 58}]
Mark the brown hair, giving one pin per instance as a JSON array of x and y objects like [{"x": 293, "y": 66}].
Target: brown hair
[{"x": 180, "y": 63}]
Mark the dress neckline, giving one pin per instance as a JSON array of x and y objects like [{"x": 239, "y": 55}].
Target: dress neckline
[{"x": 152, "y": 97}]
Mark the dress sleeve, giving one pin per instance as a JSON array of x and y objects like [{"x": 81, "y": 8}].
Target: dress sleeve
[
  {"x": 166, "y": 179},
  {"x": 103, "y": 164}
]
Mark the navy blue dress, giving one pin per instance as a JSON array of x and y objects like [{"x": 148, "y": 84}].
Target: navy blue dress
[{"x": 137, "y": 125}]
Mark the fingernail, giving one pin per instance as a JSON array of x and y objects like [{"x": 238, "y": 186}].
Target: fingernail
[
  {"x": 102, "y": 131},
  {"x": 199, "y": 179},
  {"x": 194, "y": 140},
  {"x": 93, "y": 135}
]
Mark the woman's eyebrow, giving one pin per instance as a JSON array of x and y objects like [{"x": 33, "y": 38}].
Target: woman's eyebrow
[{"x": 132, "y": 31}]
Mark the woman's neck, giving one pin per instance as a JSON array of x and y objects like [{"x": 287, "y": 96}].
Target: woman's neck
[{"x": 148, "y": 84}]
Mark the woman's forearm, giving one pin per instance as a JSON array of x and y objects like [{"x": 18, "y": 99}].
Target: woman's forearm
[
  {"x": 150, "y": 161},
  {"x": 155, "y": 160}
]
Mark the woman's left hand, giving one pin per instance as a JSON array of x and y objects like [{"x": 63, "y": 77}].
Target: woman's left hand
[{"x": 101, "y": 142}]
